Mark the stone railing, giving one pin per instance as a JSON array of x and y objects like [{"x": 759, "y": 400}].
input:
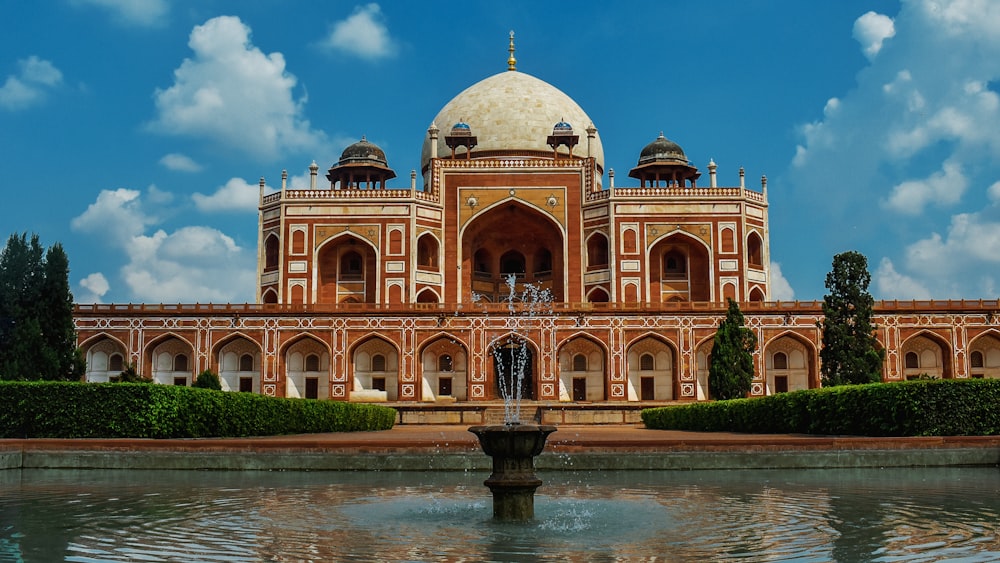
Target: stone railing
[
  {"x": 757, "y": 307},
  {"x": 676, "y": 192}
]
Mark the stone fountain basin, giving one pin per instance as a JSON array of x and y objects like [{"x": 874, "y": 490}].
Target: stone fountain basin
[{"x": 515, "y": 441}]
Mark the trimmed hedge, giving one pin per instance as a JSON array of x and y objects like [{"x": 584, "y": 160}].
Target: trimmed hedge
[
  {"x": 968, "y": 407},
  {"x": 38, "y": 409}
]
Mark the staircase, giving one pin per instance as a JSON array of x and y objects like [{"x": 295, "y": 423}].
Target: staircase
[{"x": 495, "y": 414}]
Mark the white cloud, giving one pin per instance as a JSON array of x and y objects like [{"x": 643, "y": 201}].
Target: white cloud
[
  {"x": 180, "y": 163},
  {"x": 30, "y": 85},
  {"x": 190, "y": 264},
  {"x": 781, "y": 290},
  {"x": 965, "y": 263},
  {"x": 95, "y": 286},
  {"x": 993, "y": 193},
  {"x": 116, "y": 213},
  {"x": 231, "y": 92},
  {"x": 133, "y": 12},
  {"x": 363, "y": 33},
  {"x": 871, "y": 30},
  {"x": 890, "y": 284},
  {"x": 944, "y": 187},
  {"x": 919, "y": 131},
  {"x": 237, "y": 195}
]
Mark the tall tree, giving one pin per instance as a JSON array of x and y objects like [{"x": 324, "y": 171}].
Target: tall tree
[
  {"x": 37, "y": 336},
  {"x": 851, "y": 353},
  {"x": 731, "y": 369}
]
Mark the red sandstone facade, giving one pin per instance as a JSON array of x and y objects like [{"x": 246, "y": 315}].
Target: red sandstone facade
[{"x": 369, "y": 292}]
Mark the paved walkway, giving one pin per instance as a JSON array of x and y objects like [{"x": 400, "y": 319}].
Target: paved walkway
[{"x": 417, "y": 439}]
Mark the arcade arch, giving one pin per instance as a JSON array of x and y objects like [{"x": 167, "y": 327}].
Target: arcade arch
[
  {"x": 172, "y": 361},
  {"x": 925, "y": 355},
  {"x": 788, "y": 365},
  {"x": 307, "y": 369},
  {"x": 444, "y": 370},
  {"x": 581, "y": 371},
  {"x": 984, "y": 357},
  {"x": 105, "y": 359},
  {"x": 650, "y": 370},
  {"x": 376, "y": 368},
  {"x": 239, "y": 360}
]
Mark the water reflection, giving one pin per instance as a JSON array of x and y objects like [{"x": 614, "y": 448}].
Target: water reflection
[{"x": 808, "y": 515}]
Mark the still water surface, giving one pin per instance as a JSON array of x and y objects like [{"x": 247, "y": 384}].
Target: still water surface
[{"x": 805, "y": 515}]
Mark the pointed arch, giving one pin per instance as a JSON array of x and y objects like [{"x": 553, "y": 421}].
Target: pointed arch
[
  {"x": 305, "y": 362},
  {"x": 507, "y": 352},
  {"x": 679, "y": 268},
  {"x": 932, "y": 354},
  {"x": 651, "y": 365},
  {"x": 582, "y": 361},
  {"x": 984, "y": 355},
  {"x": 428, "y": 295},
  {"x": 171, "y": 359},
  {"x": 428, "y": 252},
  {"x": 347, "y": 270},
  {"x": 489, "y": 248},
  {"x": 444, "y": 368},
  {"x": 238, "y": 361},
  {"x": 755, "y": 251},
  {"x": 106, "y": 357},
  {"x": 790, "y": 361},
  {"x": 272, "y": 249},
  {"x": 375, "y": 368},
  {"x": 598, "y": 251}
]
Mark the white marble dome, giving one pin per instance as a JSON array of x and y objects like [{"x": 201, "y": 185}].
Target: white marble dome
[{"x": 512, "y": 111}]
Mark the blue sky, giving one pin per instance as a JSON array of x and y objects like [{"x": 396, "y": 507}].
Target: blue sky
[{"x": 135, "y": 132}]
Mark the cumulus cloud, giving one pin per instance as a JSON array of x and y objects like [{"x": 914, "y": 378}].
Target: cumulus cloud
[
  {"x": 781, "y": 290},
  {"x": 964, "y": 263},
  {"x": 180, "y": 163},
  {"x": 147, "y": 13},
  {"x": 890, "y": 284},
  {"x": 363, "y": 34},
  {"x": 94, "y": 287},
  {"x": 918, "y": 132},
  {"x": 232, "y": 93},
  {"x": 944, "y": 187},
  {"x": 871, "y": 30},
  {"x": 36, "y": 77},
  {"x": 235, "y": 196},
  {"x": 189, "y": 264}
]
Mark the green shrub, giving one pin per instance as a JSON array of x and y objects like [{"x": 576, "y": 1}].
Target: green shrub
[
  {"x": 132, "y": 410},
  {"x": 208, "y": 380},
  {"x": 968, "y": 407}
]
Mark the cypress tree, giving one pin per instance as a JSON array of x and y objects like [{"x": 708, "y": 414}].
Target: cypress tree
[
  {"x": 37, "y": 335},
  {"x": 851, "y": 354},
  {"x": 731, "y": 369}
]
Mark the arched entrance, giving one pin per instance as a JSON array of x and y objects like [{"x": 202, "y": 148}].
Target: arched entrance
[
  {"x": 679, "y": 269},
  {"x": 513, "y": 368},
  {"x": 347, "y": 271},
  {"x": 581, "y": 371},
  {"x": 650, "y": 370},
  {"x": 512, "y": 238}
]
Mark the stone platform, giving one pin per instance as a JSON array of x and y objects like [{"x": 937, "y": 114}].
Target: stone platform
[{"x": 452, "y": 447}]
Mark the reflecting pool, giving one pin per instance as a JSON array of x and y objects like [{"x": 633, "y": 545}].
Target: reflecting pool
[{"x": 805, "y": 515}]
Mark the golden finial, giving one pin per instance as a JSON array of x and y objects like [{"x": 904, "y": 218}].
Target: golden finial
[{"x": 511, "y": 61}]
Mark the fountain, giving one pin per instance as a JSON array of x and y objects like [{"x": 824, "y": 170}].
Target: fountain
[{"x": 514, "y": 445}]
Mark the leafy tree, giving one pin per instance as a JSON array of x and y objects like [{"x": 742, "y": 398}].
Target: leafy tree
[
  {"x": 208, "y": 380},
  {"x": 731, "y": 369},
  {"x": 851, "y": 354},
  {"x": 37, "y": 335}
]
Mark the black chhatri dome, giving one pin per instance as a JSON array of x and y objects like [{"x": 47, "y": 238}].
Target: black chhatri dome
[
  {"x": 363, "y": 152},
  {"x": 662, "y": 150}
]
